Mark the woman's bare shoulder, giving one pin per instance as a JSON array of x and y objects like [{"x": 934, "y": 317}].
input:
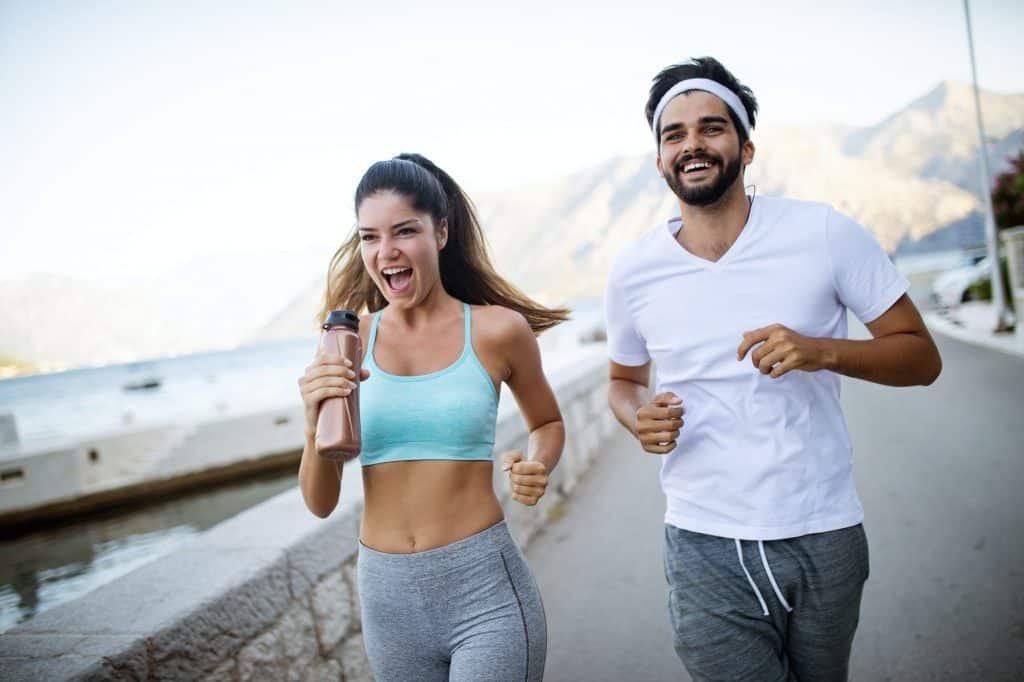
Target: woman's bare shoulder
[{"x": 500, "y": 325}]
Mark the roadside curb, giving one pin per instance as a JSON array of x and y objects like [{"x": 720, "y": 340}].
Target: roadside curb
[{"x": 1008, "y": 343}]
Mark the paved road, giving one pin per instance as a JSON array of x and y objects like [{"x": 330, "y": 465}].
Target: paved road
[{"x": 941, "y": 473}]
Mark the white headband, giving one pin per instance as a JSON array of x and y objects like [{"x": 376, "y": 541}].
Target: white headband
[{"x": 715, "y": 88}]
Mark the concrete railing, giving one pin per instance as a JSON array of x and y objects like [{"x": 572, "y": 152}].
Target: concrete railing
[
  {"x": 58, "y": 479},
  {"x": 271, "y": 593}
]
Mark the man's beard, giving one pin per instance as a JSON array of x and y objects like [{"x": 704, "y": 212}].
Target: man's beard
[{"x": 704, "y": 194}]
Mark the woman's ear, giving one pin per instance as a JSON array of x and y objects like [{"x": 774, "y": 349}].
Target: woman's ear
[{"x": 442, "y": 234}]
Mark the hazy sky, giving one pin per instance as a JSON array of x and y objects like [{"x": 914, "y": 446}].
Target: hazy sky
[{"x": 134, "y": 135}]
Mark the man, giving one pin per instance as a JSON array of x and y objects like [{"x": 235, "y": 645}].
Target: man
[{"x": 741, "y": 305}]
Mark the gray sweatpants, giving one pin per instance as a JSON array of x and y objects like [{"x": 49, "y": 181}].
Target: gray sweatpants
[
  {"x": 772, "y": 611},
  {"x": 466, "y": 611}
]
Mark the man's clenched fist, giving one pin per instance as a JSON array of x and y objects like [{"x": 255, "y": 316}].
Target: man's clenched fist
[{"x": 658, "y": 423}]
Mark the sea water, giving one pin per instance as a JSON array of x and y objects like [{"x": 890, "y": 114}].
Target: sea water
[{"x": 47, "y": 567}]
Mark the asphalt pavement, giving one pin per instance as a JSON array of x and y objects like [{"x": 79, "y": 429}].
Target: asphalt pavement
[{"x": 940, "y": 471}]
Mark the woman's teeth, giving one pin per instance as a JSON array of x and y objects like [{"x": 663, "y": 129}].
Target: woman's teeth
[{"x": 398, "y": 278}]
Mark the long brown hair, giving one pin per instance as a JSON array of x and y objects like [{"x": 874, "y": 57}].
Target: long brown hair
[{"x": 466, "y": 269}]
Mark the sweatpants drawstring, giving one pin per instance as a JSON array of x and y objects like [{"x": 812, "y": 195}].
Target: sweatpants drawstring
[
  {"x": 739, "y": 553},
  {"x": 771, "y": 578}
]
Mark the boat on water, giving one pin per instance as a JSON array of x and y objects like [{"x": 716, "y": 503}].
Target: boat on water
[{"x": 146, "y": 384}]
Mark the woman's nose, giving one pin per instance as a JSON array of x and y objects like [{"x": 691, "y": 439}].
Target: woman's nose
[{"x": 388, "y": 247}]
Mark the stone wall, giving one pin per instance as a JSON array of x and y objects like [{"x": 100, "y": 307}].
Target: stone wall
[{"x": 271, "y": 593}]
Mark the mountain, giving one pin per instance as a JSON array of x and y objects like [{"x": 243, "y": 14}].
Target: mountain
[
  {"x": 214, "y": 301},
  {"x": 959, "y": 235},
  {"x": 911, "y": 179},
  {"x": 936, "y": 135},
  {"x": 300, "y": 317},
  {"x": 913, "y": 175},
  {"x": 58, "y": 321}
]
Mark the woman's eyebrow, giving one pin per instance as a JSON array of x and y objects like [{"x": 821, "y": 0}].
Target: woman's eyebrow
[{"x": 365, "y": 228}]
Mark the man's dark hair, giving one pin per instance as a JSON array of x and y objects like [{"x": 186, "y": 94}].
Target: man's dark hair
[{"x": 702, "y": 67}]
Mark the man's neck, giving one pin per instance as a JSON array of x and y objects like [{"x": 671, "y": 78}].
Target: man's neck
[{"x": 710, "y": 231}]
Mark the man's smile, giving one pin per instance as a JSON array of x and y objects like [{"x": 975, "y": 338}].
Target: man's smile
[{"x": 695, "y": 168}]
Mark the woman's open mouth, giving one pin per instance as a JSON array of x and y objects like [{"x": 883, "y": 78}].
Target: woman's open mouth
[{"x": 397, "y": 278}]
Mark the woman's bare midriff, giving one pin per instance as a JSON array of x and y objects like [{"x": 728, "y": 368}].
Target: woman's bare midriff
[{"x": 425, "y": 504}]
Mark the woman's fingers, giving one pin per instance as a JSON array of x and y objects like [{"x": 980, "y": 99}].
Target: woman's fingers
[
  {"x": 526, "y": 489},
  {"x": 314, "y": 371},
  {"x": 527, "y": 498},
  {"x": 323, "y": 394},
  {"x": 329, "y": 382},
  {"x": 529, "y": 479},
  {"x": 327, "y": 387}
]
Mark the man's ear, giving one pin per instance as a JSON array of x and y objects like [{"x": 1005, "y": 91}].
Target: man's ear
[
  {"x": 657, "y": 163},
  {"x": 748, "y": 153}
]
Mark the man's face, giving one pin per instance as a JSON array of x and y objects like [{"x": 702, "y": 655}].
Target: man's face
[{"x": 699, "y": 153}]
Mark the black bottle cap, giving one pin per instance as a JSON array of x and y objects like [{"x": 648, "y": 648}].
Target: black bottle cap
[{"x": 338, "y": 318}]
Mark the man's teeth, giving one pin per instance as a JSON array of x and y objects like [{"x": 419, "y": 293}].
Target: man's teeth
[{"x": 700, "y": 165}]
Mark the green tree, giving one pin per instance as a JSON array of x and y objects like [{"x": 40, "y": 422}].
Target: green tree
[{"x": 1008, "y": 195}]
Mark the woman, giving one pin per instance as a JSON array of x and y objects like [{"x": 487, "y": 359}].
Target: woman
[{"x": 446, "y": 593}]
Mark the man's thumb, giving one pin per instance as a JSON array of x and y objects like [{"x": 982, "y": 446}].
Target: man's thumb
[{"x": 665, "y": 399}]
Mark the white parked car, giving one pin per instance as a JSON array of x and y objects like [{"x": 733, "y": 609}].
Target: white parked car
[{"x": 953, "y": 287}]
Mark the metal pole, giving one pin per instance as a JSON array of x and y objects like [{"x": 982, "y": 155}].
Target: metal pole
[{"x": 1003, "y": 317}]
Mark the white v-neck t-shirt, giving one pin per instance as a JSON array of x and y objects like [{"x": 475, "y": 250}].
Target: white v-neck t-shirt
[{"x": 757, "y": 458}]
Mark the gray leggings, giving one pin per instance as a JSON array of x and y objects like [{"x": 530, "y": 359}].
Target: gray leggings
[{"x": 466, "y": 611}]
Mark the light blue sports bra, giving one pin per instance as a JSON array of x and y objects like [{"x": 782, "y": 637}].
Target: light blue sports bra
[{"x": 448, "y": 414}]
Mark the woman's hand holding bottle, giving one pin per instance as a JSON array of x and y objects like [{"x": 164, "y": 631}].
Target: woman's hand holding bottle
[{"x": 329, "y": 376}]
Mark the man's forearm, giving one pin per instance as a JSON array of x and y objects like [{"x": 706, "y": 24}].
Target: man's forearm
[
  {"x": 902, "y": 359},
  {"x": 625, "y": 398}
]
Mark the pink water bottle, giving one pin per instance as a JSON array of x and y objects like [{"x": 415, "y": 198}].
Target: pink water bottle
[{"x": 337, "y": 426}]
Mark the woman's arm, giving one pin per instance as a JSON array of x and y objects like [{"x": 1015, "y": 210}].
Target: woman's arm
[
  {"x": 525, "y": 377},
  {"x": 319, "y": 480},
  {"x": 319, "y": 477}
]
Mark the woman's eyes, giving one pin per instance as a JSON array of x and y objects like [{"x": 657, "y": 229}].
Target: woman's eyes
[{"x": 402, "y": 231}]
